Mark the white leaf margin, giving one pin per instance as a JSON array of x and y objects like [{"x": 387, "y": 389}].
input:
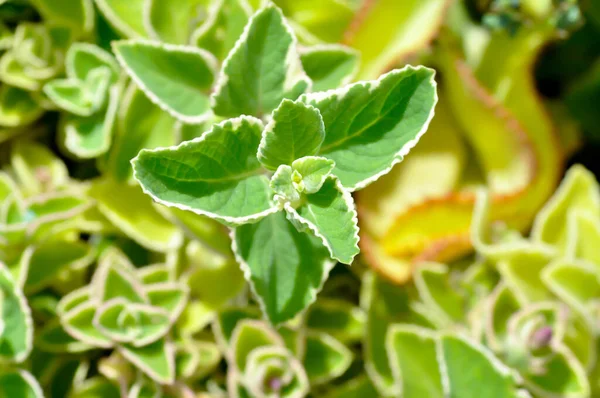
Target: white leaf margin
[
  {"x": 245, "y": 267},
  {"x": 170, "y": 353},
  {"x": 18, "y": 293},
  {"x": 230, "y": 221},
  {"x": 295, "y": 72},
  {"x": 207, "y": 57},
  {"x": 347, "y": 197},
  {"x": 373, "y": 85}
]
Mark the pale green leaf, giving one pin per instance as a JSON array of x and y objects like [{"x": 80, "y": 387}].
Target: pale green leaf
[
  {"x": 247, "y": 336},
  {"x": 176, "y": 78},
  {"x": 414, "y": 362},
  {"x": 19, "y": 384},
  {"x": 433, "y": 284},
  {"x": 578, "y": 190},
  {"x": 388, "y": 117},
  {"x": 295, "y": 131},
  {"x": 261, "y": 70},
  {"x": 227, "y": 320},
  {"x": 140, "y": 124},
  {"x": 563, "y": 376},
  {"x": 115, "y": 278},
  {"x": 359, "y": 387},
  {"x": 77, "y": 15},
  {"x": 18, "y": 107},
  {"x": 171, "y": 21},
  {"x": 95, "y": 387},
  {"x": 325, "y": 358},
  {"x": 340, "y": 319},
  {"x": 125, "y": 16},
  {"x": 282, "y": 184},
  {"x": 135, "y": 216},
  {"x": 47, "y": 260},
  {"x": 314, "y": 171},
  {"x": 16, "y": 330},
  {"x": 216, "y": 175},
  {"x": 83, "y": 98},
  {"x": 576, "y": 283},
  {"x": 78, "y": 322},
  {"x": 137, "y": 324},
  {"x": 89, "y": 137},
  {"x": 170, "y": 297},
  {"x": 522, "y": 273},
  {"x": 156, "y": 360},
  {"x": 285, "y": 268},
  {"x": 37, "y": 169},
  {"x": 224, "y": 25},
  {"x": 331, "y": 216},
  {"x": 583, "y": 237},
  {"x": 329, "y": 66},
  {"x": 53, "y": 338},
  {"x": 83, "y": 58},
  {"x": 465, "y": 364}
]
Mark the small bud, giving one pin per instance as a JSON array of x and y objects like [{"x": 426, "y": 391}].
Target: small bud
[{"x": 541, "y": 337}]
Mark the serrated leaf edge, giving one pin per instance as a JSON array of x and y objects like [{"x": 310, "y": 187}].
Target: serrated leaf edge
[
  {"x": 292, "y": 51},
  {"x": 20, "y": 357},
  {"x": 209, "y": 59},
  {"x": 349, "y": 202},
  {"x": 328, "y": 266},
  {"x": 232, "y": 221},
  {"x": 372, "y": 85}
]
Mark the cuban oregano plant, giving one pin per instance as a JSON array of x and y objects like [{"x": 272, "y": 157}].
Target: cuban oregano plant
[{"x": 281, "y": 164}]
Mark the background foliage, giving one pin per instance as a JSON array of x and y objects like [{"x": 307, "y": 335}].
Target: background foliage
[{"x": 479, "y": 270}]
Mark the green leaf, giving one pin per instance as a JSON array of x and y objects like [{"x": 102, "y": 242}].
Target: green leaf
[
  {"x": 261, "y": 70},
  {"x": 80, "y": 98},
  {"x": 282, "y": 183},
  {"x": 325, "y": 358},
  {"x": 578, "y": 190},
  {"x": 125, "y": 16},
  {"x": 388, "y": 117},
  {"x": 356, "y": 388},
  {"x": 20, "y": 384},
  {"x": 77, "y": 15},
  {"x": 89, "y": 137},
  {"x": 227, "y": 320},
  {"x": 137, "y": 324},
  {"x": 115, "y": 278},
  {"x": 156, "y": 360},
  {"x": 340, "y": 319},
  {"x": 502, "y": 305},
  {"x": 18, "y": 107},
  {"x": 168, "y": 296},
  {"x": 330, "y": 66},
  {"x": 78, "y": 322},
  {"x": 36, "y": 168},
  {"x": 466, "y": 363},
  {"x": 576, "y": 283},
  {"x": 216, "y": 175},
  {"x": 16, "y": 323},
  {"x": 176, "y": 78},
  {"x": 83, "y": 58},
  {"x": 331, "y": 216},
  {"x": 95, "y": 387},
  {"x": 140, "y": 124},
  {"x": 171, "y": 21},
  {"x": 135, "y": 216},
  {"x": 435, "y": 290},
  {"x": 209, "y": 272},
  {"x": 314, "y": 171},
  {"x": 583, "y": 237},
  {"x": 223, "y": 27},
  {"x": 296, "y": 130},
  {"x": 53, "y": 338},
  {"x": 563, "y": 376},
  {"x": 285, "y": 268},
  {"x": 47, "y": 260},
  {"x": 247, "y": 336},
  {"x": 414, "y": 362},
  {"x": 522, "y": 273}
]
